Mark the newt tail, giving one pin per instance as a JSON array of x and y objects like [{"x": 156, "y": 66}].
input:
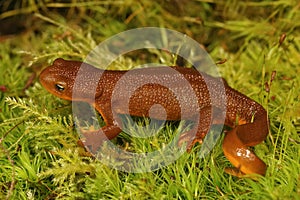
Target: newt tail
[{"x": 252, "y": 129}]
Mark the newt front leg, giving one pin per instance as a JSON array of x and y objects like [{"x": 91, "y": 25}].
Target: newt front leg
[{"x": 94, "y": 139}]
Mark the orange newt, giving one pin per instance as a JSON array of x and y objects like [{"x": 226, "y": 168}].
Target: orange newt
[{"x": 252, "y": 127}]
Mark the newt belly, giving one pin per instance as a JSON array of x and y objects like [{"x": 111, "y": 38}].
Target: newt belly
[{"x": 109, "y": 95}]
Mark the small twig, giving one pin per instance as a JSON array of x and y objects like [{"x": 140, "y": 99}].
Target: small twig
[
  {"x": 12, "y": 184},
  {"x": 29, "y": 81},
  {"x": 10, "y": 130}
]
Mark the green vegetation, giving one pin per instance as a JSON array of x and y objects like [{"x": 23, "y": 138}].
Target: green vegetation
[{"x": 39, "y": 154}]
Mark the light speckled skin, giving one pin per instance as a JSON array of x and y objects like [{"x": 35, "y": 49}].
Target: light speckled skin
[{"x": 111, "y": 96}]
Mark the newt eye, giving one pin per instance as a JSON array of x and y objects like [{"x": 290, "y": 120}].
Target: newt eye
[{"x": 59, "y": 87}]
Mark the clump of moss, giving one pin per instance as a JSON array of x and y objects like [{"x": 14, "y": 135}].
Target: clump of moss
[{"x": 39, "y": 154}]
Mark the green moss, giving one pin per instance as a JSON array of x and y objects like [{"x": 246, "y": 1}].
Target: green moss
[{"x": 39, "y": 155}]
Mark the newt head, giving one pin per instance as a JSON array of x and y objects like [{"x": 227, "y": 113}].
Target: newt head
[{"x": 60, "y": 78}]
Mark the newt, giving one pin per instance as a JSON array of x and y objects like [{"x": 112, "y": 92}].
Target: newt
[{"x": 247, "y": 119}]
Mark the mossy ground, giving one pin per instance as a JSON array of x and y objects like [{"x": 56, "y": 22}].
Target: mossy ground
[{"x": 39, "y": 154}]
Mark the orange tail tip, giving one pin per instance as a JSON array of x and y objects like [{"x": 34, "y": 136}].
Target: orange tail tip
[{"x": 245, "y": 161}]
